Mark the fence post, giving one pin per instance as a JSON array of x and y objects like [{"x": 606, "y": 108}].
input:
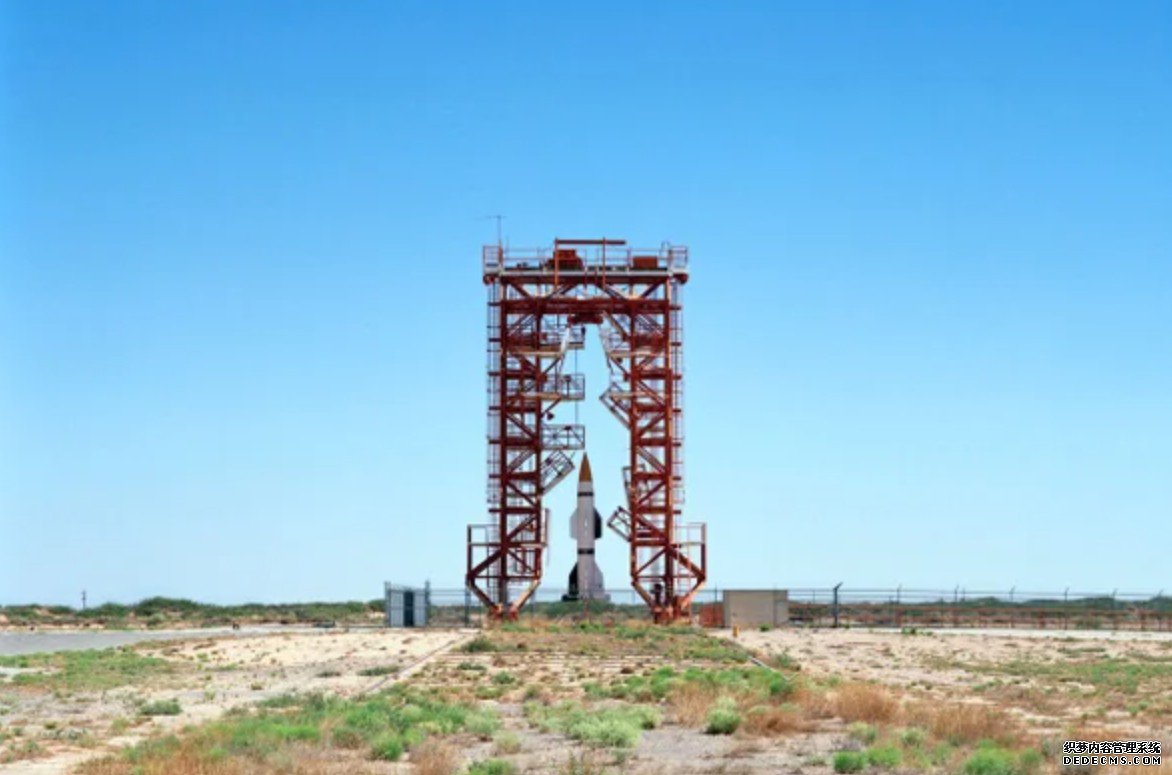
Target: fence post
[{"x": 835, "y": 606}]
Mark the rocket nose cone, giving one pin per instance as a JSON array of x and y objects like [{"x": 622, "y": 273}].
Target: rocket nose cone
[{"x": 584, "y": 471}]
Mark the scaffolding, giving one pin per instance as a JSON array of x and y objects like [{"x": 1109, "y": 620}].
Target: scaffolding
[{"x": 539, "y": 304}]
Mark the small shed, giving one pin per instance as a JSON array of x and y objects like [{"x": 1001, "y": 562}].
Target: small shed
[
  {"x": 756, "y": 607},
  {"x": 407, "y": 606}
]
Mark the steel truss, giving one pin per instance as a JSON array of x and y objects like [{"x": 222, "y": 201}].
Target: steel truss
[{"x": 539, "y": 304}]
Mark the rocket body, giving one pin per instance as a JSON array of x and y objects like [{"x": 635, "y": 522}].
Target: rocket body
[{"x": 586, "y": 582}]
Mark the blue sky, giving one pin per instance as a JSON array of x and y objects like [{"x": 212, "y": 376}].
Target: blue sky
[{"x": 242, "y": 321}]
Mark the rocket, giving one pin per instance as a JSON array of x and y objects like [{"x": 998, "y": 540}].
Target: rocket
[{"x": 586, "y": 527}]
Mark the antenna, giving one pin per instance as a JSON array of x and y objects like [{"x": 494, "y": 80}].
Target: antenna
[{"x": 498, "y": 218}]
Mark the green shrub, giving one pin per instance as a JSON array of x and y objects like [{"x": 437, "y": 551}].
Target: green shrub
[
  {"x": 507, "y": 743},
  {"x": 491, "y": 767},
  {"x": 348, "y": 738},
  {"x": 380, "y": 670},
  {"x": 884, "y": 756},
  {"x": 849, "y": 761},
  {"x": 1030, "y": 760},
  {"x": 723, "y": 719},
  {"x": 990, "y": 760},
  {"x": 504, "y": 679},
  {"x": 864, "y": 733},
  {"x": 291, "y": 700},
  {"x": 388, "y": 747},
  {"x": 482, "y": 724},
  {"x": 617, "y": 727},
  {"x": 161, "y": 708},
  {"x": 913, "y": 737},
  {"x": 478, "y": 645}
]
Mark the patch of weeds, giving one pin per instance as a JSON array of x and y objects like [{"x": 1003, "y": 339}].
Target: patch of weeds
[
  {"x": 506, "y": 743},
  {"x": 378, "y": 670},
  {"x": 387, "y": 747},
  {"x": 614, "y": 727},
  {"x": 723, "y": 719},
  {"x": 482, "y": 724},
  {"x": 27, "y": 749},
  {"x": 330, "y": 674},
  {"x": 594, "y": 690},
  {"x": 1119, "y": 674},
  {"x": 849, "y": 761},
  {"x": 491, "y": 767},
  {"x": 912, "y": 737},
  {"x": 583, "y": 764},
  {"x": 990, "y": 759},
  {"x": 884, "y": 756},
  {"x": 93, "y": 670},
  {"x": 291, "y": 700},
  {"x": 941, "y": 754},
  {"x": 864, "y": 733},
  {"x": 387, "y": 725},
  {"x": 504, "y": 679},
  {"x": 472, "y": 666},
  {"x": 489, "y": 692},
  {"x": 161, "y": 708},
  {"x": 479, "y": 645}
]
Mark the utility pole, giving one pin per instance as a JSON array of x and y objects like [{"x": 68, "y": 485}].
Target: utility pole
[{"x": 83, "y": 600}]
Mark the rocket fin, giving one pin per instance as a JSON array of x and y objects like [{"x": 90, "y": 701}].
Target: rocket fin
[{"x": 572, "y": 591}]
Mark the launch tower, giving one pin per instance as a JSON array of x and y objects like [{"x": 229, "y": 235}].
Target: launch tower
[{"x": 539, "y": 304}]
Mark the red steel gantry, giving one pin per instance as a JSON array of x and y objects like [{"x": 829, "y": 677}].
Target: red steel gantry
[{"x": 539, "y": 304}]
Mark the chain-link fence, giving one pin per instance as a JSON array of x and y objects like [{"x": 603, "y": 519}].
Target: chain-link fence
[{"x": 840, "y": 606}]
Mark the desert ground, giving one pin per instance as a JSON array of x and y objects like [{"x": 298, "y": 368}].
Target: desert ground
[{"x": 565, "y": 698}]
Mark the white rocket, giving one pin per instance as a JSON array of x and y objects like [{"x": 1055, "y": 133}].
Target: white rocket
[{"x": 586, "y": 527}]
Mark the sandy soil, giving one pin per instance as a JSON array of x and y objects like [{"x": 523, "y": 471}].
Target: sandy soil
[
  {"x": 935, "y": 658},
  {"x": 213, "y": 674},
  {"x": 1033, "y": 673},
  {"x": 1008, "y": 669}
]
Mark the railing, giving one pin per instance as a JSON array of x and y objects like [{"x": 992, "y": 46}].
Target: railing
[
  {"x": 563, "y": 437},
  {"x": 609, "y": 258}
]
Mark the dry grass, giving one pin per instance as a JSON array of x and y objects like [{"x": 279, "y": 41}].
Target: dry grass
[
  {"x": 814, "y": 703},
  {"x": 774, "y": 721},
  {"x": 864, "y": 702},
  {"x": 742, "y": 749},
  {"x": 435, "y": 757},
  {"x": 187, "y": 760},
  {"x": 961, "y": 722},
  {"x": 690, "y": 703}
]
